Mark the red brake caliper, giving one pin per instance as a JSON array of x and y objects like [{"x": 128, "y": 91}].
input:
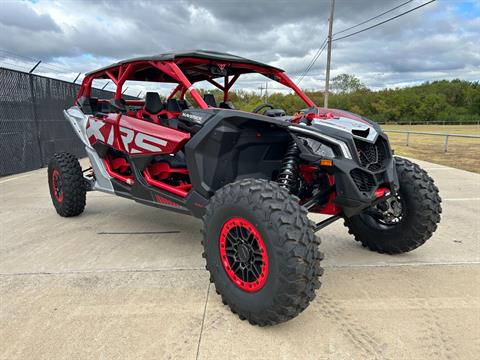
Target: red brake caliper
[{"x": 243, "y": 254}]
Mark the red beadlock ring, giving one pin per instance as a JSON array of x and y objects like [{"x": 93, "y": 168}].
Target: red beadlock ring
[
  {"x": 57, "y": 185},
  {"x": 243, "y": 254}
]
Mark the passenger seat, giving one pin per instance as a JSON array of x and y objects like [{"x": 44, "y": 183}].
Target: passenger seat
[
  {"x": 153, "y": 105},
  {"x": 210, "y": 100}
]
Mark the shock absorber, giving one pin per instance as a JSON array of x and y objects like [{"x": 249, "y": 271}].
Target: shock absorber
[{"x": 288, "y": 175}]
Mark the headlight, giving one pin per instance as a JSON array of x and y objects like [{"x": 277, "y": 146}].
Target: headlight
[
  {"x": 318, "y": 148},
  {"x": 317, "y": 135}
]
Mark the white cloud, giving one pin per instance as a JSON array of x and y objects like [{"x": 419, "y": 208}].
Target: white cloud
[{"x": 438, "y": 41}]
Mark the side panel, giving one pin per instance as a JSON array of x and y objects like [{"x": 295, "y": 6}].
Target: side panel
[
  {"x": 95, "y": 134},
  {"x": 235, "y": 145},
  {"x": 79, "y": 120},
  {"x": 134, "y": 136}
]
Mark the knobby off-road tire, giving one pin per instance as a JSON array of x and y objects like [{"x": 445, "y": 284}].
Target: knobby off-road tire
[
  {"x": 262, "y": 211},
  {"x": 421, "y": 214},
  {"x": 67, "y": 185}
]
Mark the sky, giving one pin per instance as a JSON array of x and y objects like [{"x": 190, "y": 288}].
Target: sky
[{"x": 438, "y": 41}]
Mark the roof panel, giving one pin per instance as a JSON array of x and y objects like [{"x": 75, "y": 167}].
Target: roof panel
[{"x": 199, "y": 54}]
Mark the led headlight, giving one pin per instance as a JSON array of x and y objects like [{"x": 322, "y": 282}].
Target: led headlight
[
  {"x": 318, "y": 148},
  {"x": 312, "y": 134}
]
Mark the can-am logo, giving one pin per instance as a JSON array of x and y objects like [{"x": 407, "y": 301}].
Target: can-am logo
[
  {"x": 134, "y": 142},
  {"x": 192, "y": 116}
]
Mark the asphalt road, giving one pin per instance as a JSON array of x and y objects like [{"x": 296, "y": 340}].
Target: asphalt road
[{"x": 125, "y": 281}]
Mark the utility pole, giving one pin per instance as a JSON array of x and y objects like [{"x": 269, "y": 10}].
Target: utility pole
[
  {"x": 261, "y": 90},
  {"x": 329, "y": 54}
]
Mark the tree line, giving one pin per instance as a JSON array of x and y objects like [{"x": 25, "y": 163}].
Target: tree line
[{"x": 453, "y": 101}]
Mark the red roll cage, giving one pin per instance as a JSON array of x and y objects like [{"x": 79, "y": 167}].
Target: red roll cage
[{"x": 186, "y": 69}]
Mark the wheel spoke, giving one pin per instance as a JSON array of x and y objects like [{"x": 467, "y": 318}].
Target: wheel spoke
[
  {"x": 236, "y": 233},
  {"x": 255, "y": 271},
  {"x": 233, "y": 240},
  {"x": 245, "y": 234}
]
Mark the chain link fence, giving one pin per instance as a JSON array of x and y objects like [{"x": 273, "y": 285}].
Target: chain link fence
[{"x": 32, "y": 126}]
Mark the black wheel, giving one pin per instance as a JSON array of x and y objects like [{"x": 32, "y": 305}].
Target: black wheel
[
  {"x": 404, "y": 222},
  {"x": 261, "y": 251},
  {"x": 67, "y": 185}
]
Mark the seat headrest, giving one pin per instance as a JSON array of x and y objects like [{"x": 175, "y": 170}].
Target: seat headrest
[
  {"x": 153, "y": 103},
  {"x": 210, "y": 100},
  {"x": 173, "y": 106}
]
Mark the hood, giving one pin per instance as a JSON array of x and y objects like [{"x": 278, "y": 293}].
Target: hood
[{"x": 348, "y": 122}]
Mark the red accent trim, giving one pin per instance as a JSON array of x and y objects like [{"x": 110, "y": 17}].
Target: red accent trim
[
  {"x": 381, "y": 191},
  {"x": 162, "y": 170},
  {"x": 329, "y": 208},
  {"x": 161, "y": 200},
  {"x": 55, "y": 178},
  {"x": 174, "y": 91},
  {"x": 261, "y": 280},
  {"x": 125, "y": 179},
  {"x": 306, "y": 171},
  {"x": 120, "y": 164},
  {"x": 135, "y": 102},
  {"x": 174, "y": 190}
]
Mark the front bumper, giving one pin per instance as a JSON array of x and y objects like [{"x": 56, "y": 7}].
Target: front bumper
[
  {"x": 355, "y": 185},
  {"x": 368, "y": 166}
]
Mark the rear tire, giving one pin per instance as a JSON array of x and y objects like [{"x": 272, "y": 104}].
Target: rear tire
[
  {"x": 421, "y": 207},
  {"x": 67, "y": 185},
  {"x": 283, "y": 251}
]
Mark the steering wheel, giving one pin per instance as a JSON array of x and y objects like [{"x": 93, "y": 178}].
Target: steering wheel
[{"x": 261, "y": 107}]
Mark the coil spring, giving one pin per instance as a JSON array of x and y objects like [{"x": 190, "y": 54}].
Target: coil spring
[{"x": 288, "y": 175}]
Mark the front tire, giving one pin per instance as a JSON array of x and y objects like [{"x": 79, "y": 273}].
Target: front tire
[
  {"x": 421, "y": 207},
  {"x": 261, "y": 251},
  {"x": 67, "y": 185}
]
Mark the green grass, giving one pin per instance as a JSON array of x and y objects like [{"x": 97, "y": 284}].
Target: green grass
[{"x": 463, "y": 153}]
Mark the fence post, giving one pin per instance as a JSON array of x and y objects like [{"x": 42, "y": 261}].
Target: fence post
[
  {"x": 35, "y": 118},
  {"x": 408, "y": 139},
  {"x": 445, "y": 147}
]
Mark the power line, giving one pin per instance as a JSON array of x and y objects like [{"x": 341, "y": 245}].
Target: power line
[
  {"x": 385, "y": 21},
  {"x": 313, "y": 61},
  {"x": 373, "y": 18},
  {"x": 44, "y": 64}
]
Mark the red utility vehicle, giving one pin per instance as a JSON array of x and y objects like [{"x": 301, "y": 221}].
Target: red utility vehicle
[{"x": 252, "y": 177}]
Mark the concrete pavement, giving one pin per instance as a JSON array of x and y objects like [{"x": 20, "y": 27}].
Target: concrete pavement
[{"x": 125, "y": 281}]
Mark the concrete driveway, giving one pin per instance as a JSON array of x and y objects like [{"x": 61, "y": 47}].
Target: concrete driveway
[{"x": 125, "y": 281}]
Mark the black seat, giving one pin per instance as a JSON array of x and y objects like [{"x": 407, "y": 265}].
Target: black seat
[
  {"x": 210, "y": 100},
  {"x": 173, "y": 105},
  {"x": 184, "y": 105},
  {"x": 88, "y": 105},
  {"x": 227, "y": 105},
  {"x": 118, "y": 106},
  {"x": 153, "y": 103}
]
